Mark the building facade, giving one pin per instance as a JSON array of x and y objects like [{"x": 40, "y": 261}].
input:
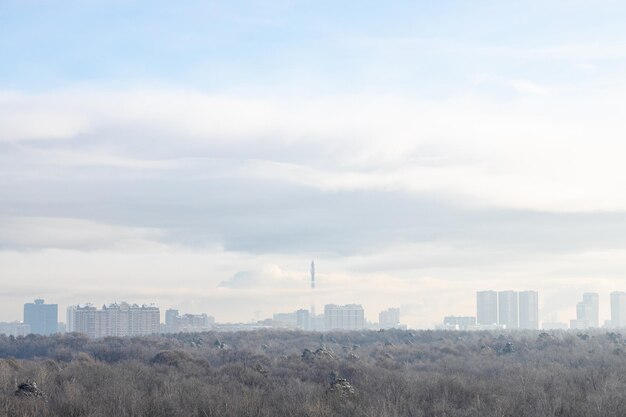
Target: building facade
[
  {"x": 303, "y": 319},
  {"x": 285, "y": 320},
  {"x": 587, "y": 312},
  {"x": 389, "y": 318},
  {"x": 69, "y": 318},
  {"x": 194, "y": 323},
  {"x": 592, "y": 301},
  {"x": 486, "y": 307},
  {"x": 41, "y": 317},
  {"x": 15, "y": 329},
  {"x": 618, "y": 309},
  {"x": 119, "y": 320},
  {"x": 170, "y": 320},
  {"x": 188, "y": 323},
  {"x": 459, "y": 322},
  {"x": 529, "y": 310},
  {"x": 508, "y": 310},
  {"x": 346, "y": 317}
]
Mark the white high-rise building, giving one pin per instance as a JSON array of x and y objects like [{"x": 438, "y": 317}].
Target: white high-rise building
[
  {"x": 486, "y": 308},
  {"x": 170, "y": 320},
  {"x": 347, "y": 317},
  {"x": 303, "y": 319},
  {"x": 508, "y": 312},
  {"x": 618, "y": 309},
  {"x": 70, "y": 318},
  {"x": 592, "y": 299},
  {"x": 84, "y": 319},
  {"x": 587, "y": 312},
  {"x": 529, "y": 310},
  {"x": 115, "y": 320},
  {"x": 389, "y": 318}
]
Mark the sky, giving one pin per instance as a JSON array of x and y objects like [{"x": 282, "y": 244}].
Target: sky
[{"x": 200, "y": 154}]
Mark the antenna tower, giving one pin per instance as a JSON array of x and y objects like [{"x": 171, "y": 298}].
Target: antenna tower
[{"x": 312, "y": 288}]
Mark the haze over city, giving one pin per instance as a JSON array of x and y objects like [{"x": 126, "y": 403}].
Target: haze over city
[{"x": 200, "y": 157}]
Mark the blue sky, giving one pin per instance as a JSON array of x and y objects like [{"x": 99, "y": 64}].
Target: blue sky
[
  {"x": 419, "y": 151},
  {"x": 301, "y": 47}
]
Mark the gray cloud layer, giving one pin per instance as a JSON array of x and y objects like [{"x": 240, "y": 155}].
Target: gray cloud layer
[
  {"x": 266, "y": 216},
  {"x": 386, "y": 191}
]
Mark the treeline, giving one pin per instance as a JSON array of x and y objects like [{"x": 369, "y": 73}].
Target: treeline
[{"x": 275, "y": 373}]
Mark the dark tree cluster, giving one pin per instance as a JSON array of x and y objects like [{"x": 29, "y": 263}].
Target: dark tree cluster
[{"x": 280, "y": 373}]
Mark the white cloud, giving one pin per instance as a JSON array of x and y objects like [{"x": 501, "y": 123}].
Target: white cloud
[
  {"x": 25, "y": 117},
  {"x": 528, "y": 87},
  {"x": 560, "y": 152},
  {"x": 587, "y": 67},
  {"x": 46, "y": 232},
  {"x": 272, "y": 278}
]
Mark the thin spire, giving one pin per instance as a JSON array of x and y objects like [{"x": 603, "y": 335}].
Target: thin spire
[{"x": 312, "y": 288}]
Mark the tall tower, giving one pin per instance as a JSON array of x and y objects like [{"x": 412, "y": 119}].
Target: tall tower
[{"x": 312, "y": 288}]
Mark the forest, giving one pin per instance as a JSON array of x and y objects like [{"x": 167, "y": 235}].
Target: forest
[{"x": 287, "y": 373}]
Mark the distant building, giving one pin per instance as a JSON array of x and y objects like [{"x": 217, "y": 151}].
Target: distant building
[
  {"x": 389, "y": 318},
  {"x": 486, "y": 307},
  {"x": 347, "y": 317},
  {"x": 121, "y": 320},
  {"x": 285, "y": 320},
  {"x": 618, "y": 309},
  {"x": 61, "y": 328},
  {"x": 41, "y": 317},
  {"x": 303, "y": 319},
  {"x": 170, "y": 320},
  {"x": 508, "y": 312},
  {"x": 577, "y": 323},
  {"x": 459, "y": 323},
  {"x": 592, "y": 300},
  {"x": 580, "y": 322},
  {"x": 69, "y": 318},
  {"x": 189, "y": 323},
  {"x": 14, "y": 329},
  {"x": 587, "y": 312},
  {"x": 529, "y": 310},
  {"x": 318, "y": 323},
  {"x": 83, "y": 317}
]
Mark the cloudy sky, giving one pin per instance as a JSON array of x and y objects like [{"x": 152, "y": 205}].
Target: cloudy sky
[{"x": 200, "y": 154}]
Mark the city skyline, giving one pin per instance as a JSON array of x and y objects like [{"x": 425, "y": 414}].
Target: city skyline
[
  {"x": 606, "y": 311},
  {"x": 124, "y": 319},
  {"x": 506, "y": 309}
]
